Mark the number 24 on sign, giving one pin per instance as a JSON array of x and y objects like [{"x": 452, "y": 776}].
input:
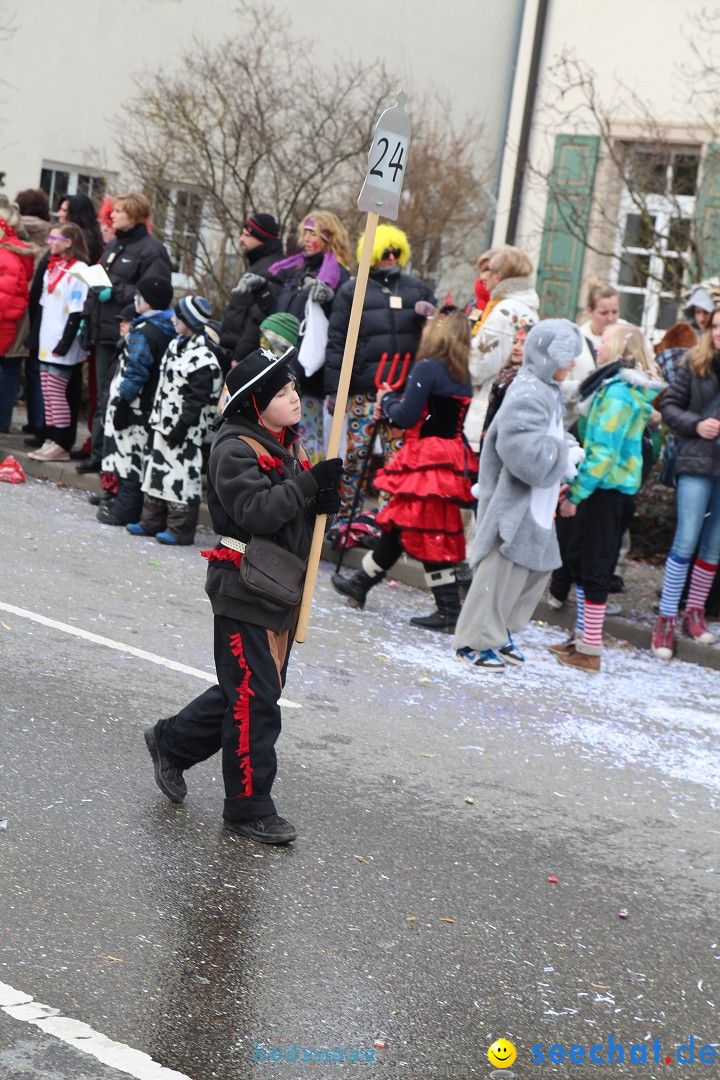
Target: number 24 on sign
[{"x": 387, "y": 167}]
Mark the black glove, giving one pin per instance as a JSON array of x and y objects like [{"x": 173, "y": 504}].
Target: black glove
[
  {"x": 327, "y": 473},
  {"x": 327, "y": 501},
  {"x": 176, "y": 437},
  {"x": 123, "y": 417}
]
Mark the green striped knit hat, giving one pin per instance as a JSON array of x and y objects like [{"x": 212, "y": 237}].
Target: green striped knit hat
[{"x": 283, "y": 325}]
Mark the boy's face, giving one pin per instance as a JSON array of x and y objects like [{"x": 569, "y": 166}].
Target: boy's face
[
  {"x": 181, "y": 328},
  {"x": 284, "y": 410},
  {"x": 124, "y": 327},
  {"x": 560, "y": 373}
]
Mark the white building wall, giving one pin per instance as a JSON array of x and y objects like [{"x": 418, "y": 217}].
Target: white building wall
[
  {"x": 67, "y": 69},
  {"x": 644, "y": 44}
]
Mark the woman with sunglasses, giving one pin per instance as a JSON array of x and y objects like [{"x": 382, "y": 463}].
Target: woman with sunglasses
[{"x": 389, "y": 324}]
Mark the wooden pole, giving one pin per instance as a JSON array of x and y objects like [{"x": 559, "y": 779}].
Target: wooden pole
[{"x": 339, "y": 414}]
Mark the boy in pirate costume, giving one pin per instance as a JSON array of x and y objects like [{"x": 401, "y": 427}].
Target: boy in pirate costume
[{"x": 259, "y": 485}]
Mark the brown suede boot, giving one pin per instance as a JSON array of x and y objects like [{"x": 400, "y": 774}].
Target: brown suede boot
[
  {"x": 562, "y": 648},
  {"x": 581, "y": 661}
]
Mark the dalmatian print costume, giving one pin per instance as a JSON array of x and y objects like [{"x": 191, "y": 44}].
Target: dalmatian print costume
[{"x": 185, "y": 403}]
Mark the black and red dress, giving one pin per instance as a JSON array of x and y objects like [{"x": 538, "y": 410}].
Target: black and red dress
[{"x": 431, "y": 475}]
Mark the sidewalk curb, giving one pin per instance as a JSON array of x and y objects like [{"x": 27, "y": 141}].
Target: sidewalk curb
[{"x": 407, "y": 571}]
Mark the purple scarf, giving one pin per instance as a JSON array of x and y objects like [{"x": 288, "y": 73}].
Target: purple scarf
[{"x": 329, "y": 272}]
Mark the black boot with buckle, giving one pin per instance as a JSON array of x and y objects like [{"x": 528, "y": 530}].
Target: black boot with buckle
[
  {"x": 447, "y": 597},
  {"x": 359, "y": 585}
]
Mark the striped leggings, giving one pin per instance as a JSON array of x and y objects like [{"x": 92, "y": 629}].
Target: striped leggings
[{"x": 54, "y": 381}]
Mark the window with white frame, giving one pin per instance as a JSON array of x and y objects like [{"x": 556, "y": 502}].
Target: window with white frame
[
  {"x": 59, "y": 181},
  {"x": 652, "y": 248},
  {"x": 177, "y": 215}
]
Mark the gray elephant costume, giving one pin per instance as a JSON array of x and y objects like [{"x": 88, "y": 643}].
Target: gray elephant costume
[{"x": 524, "y": 461}]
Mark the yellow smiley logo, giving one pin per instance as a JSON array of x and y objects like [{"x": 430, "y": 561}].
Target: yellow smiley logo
[{"x": 502, "y": 1054}]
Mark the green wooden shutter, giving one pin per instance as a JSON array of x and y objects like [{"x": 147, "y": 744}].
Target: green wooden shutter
[
  {"x": 707, "y": 217},
  {"x": 566, "y": 221}
]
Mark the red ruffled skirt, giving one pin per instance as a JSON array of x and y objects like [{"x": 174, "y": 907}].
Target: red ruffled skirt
[{"x": 429, "y": 479}]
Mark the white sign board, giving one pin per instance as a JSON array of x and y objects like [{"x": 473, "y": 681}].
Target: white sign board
[{"x": 387, "y": 162}]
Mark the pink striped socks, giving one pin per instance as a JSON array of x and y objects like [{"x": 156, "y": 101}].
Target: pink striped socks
[{"x": 701, "y": 580}]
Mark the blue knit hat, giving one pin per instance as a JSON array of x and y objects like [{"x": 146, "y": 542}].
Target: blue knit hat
[{"x": 195, "y": 312}]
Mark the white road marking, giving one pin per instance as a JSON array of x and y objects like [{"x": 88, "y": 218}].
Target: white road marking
[
  {"x": 82, "y": 1037},
  {"x": 119, "y": 646}
]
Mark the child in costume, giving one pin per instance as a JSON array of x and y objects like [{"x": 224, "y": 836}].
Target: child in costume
[
  {"x": 187, "y": 393},
  {"x": 601, "y": 495},
  {"x": 130, "y": 399},
  {"x": 259, "y": 484},
  {"x": 63, "y": 299},
  {"x": 526, "y": 456},
  {"x": 430, "y": 476}
]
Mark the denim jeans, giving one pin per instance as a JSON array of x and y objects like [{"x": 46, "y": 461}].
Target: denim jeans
[
  {"x": 698, "y": 518},
  {"x": 9, "y": 381}
]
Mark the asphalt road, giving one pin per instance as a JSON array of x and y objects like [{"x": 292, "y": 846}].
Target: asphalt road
[{"x": 433, "y": 805}]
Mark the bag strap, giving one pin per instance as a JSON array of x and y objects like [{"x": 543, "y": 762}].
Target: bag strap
[{"x": 261, "y": 450}]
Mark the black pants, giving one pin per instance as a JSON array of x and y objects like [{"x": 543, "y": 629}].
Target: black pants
[
  {"x": 561, "y": 579},
  {"x": 240, "y": 715},
  {"x": 595, "y": 541},
  {"x": 128, "y": 503},
  {"x": 389, "y": 548},
  {"x": 103, "y": 360}
]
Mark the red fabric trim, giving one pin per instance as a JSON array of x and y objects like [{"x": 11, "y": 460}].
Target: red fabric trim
[
  {"x": 305, "y": 463},
  {"x": 706, "y": 566},
  {"x": 267, "y": 463},
  {"x": 241, "y": 713},
  {"x": 223, "y": 554},
  {"x": 62, "y": 265}
]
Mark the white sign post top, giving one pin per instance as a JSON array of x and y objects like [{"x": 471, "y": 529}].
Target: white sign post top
[{"x": 387, "y": 162}]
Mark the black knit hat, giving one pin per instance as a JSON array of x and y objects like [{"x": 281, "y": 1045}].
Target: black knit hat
[
  {"x": 262, "y": 226},
  {"x": 127, "y": 314},
  {"x": 156, "y": 291},
  {"x": 254, "y": 382}
]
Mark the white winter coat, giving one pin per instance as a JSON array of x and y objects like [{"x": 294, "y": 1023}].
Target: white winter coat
[{"x": 517, "y": 305}]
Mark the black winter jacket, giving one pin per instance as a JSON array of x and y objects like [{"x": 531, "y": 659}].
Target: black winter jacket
[
  {"x": 240, "y": 333},
  {"x": 291, "y": 297},
  {"x": 245, "y": 499},
  {"x": 132, "y": 254},
  {"x": 681, "y": 408},
  {"x": 383, "y": 328}
]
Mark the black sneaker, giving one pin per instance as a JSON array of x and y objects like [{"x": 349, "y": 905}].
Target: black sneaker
[
  {"x": 167, "y": 776},
  {"x": 266, "y": 830}
]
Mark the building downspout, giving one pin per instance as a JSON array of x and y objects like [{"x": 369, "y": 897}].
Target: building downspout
[
  {"x": 505, "y": 121},
  {"x": 528, "y": 113}
]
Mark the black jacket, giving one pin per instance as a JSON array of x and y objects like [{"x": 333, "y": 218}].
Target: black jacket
[
  {"x": 132, "y": 254},
  {"x": 240, "y": 332},
  {"x": 245, "y": 499},
  {"x": 291, "y": 297},
  {"x": 682, "y": 405},
  {"x": 383, "y": 328}
]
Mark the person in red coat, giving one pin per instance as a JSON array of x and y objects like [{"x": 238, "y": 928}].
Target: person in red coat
[{"x": 16, "y": 268}]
